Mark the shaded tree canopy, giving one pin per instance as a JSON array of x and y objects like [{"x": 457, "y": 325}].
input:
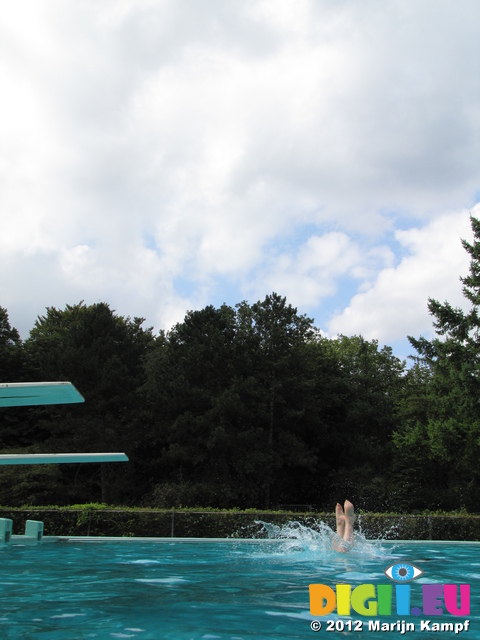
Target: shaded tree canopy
[
  {"x": 102, "y": 355},
  {"x": 248, "y": 406}
]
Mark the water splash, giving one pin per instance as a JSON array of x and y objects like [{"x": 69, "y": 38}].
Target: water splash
[{"x": 316, "y": 539}]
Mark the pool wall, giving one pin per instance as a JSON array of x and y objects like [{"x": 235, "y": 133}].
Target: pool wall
[{"x": 151, "y": 523}]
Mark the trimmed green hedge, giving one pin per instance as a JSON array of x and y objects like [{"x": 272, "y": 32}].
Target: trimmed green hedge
[{"x": 100, "y": 520}]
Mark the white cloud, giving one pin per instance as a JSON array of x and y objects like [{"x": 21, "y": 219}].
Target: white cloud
[
  {"x": 149, "y": 143},
  {"x": 396, "y": 304},
  {"x": 312, "y": 273}
]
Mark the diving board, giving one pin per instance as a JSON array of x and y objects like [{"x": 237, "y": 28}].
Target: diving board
[
  {"x": 26, "y": 394},
  {"x": 61, "y": 458}
]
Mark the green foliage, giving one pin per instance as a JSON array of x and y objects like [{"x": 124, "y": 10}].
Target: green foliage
[
  {"x": 226, "y": 387},
  {"x": 90, "y": 520},
  {"x": 34, "y": 485},
  {"x": 12, "y": 356},
  {"x": 446, "y": 430},
  {"x": 370, "y": 383},
  {"x": 246, "y": 407},
  {"x": 103, "y": 355}
]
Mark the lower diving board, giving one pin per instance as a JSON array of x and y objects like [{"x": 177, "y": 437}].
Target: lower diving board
[{"x": 61, "y": 458}]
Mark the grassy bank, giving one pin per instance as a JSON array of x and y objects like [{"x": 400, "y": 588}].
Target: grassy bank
[{"x": 103, "y": 520}]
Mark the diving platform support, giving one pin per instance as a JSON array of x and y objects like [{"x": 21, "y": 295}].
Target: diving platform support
[
  {"x": 33, "y": 532},
  {"x": 5, "y": 530}
]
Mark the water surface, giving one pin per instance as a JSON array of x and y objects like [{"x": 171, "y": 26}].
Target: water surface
[{"x": 207, "y": 589}]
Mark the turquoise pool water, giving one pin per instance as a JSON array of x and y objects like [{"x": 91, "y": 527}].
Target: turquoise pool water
[{"x": 209, "y": 589}]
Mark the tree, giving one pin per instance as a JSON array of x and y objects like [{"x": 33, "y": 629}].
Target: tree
[
  {"x": 191, "y": 373},
  {"x": 12, "y": 356},
  {"x": 450, "y": 433},
  {"x": 370, "y": 383},
  {"x": 275, "y": 336},
  {"x": 229, "y": 393},
  {"x": 103, "y": 355},
  {"x": 416, "y": 476},
  {"x": 17, "y": 425}
]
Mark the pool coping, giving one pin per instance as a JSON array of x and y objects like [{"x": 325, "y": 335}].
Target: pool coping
[{"x": 230, "y": 540}]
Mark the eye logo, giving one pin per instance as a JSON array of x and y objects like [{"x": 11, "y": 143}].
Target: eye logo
[{"x": 403, "y": 572}]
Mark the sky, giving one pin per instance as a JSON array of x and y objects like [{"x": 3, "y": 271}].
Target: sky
[{"x": 165, "y": 155}]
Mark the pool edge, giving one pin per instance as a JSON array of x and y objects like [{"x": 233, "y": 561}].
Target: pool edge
[{"x": 231, "y": 540}]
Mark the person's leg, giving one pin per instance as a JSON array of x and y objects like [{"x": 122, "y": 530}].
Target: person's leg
[
  {"x": 349, "y": 520},
  {"x": 340, "y": 518},
  {"x": 345, "y": 517}
]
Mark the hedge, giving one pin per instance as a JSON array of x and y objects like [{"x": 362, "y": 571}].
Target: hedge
[{"x": 101, "y": 520}]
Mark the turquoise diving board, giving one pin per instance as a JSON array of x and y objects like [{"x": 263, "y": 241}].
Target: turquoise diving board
[
  {"x": 61, "y": 458},
  {"x": 25, "y": 394}
]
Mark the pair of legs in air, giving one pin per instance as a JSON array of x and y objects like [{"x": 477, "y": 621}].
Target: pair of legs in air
[{"x": 345, "y": 517}]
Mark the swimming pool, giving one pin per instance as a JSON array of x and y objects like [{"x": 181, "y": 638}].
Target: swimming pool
[{"x": 207, "y": 589}]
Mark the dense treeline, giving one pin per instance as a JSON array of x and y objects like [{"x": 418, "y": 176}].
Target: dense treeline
[{"x": 248, "y": 406}]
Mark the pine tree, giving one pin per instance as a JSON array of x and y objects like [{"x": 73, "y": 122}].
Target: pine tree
[
  {"x": 450, "y": 435},
  {"x": 12, "y": 356}
]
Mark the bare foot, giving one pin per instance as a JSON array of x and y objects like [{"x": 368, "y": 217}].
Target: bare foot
[
  {"x": 349, "y": 520},
  {"x": 340, "y": 518}
]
